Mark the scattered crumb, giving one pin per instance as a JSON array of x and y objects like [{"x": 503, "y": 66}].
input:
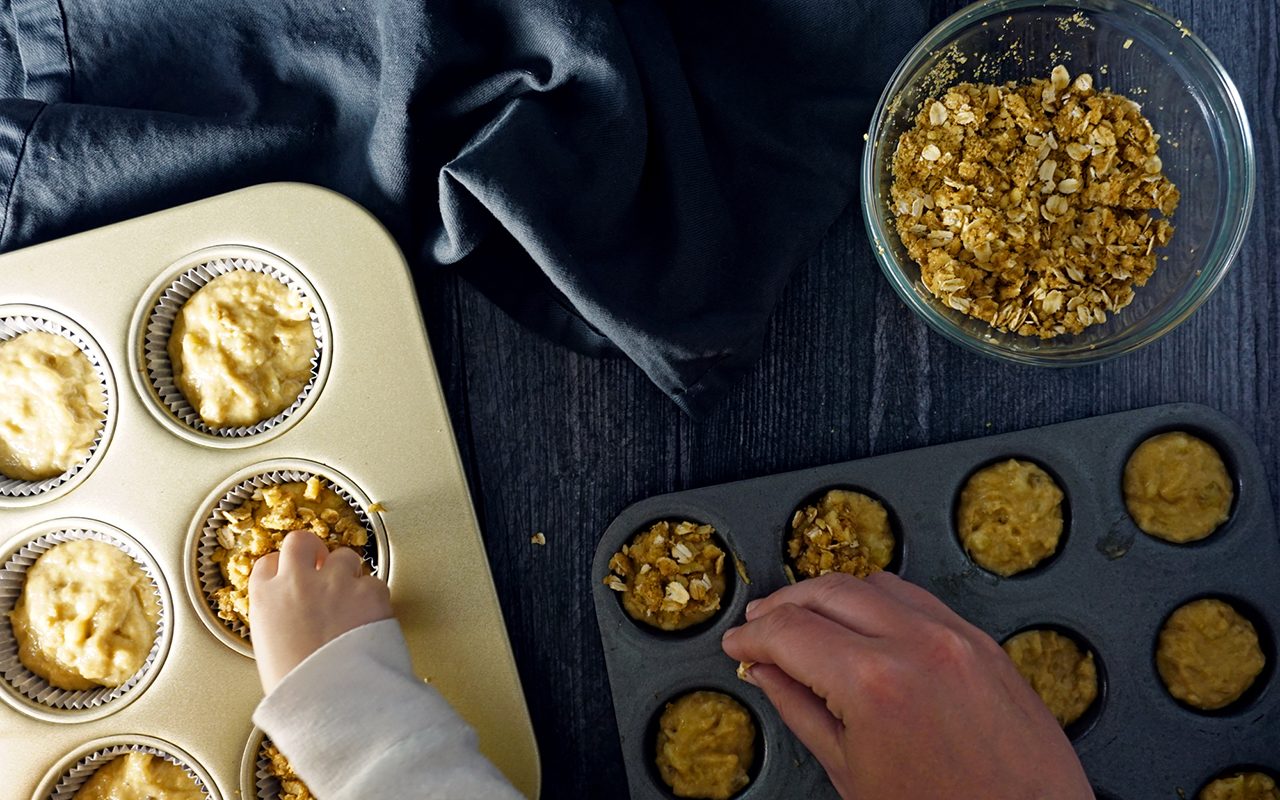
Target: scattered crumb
[
  {"x": 743, "y": 668},
  {"x": 741, "y": 567},
  {"x": 538, "y": 538},
  {"x": 1128, "y": 43},
  {"x": 375, "y": 507}
]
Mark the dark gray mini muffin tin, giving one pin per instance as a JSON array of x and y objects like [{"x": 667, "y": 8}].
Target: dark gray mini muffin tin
[{"x": 1110, "y": 586}]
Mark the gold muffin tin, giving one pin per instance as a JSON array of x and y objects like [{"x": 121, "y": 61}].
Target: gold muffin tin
[{"x": 374, "y": 419}]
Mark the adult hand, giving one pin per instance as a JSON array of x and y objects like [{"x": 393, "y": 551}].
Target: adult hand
[
  {"x": 897, "y": 696},
  {"x": 303, "y": 597}
]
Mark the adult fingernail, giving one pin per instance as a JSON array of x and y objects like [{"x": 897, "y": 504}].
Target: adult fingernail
[
  {"x": 752, "y": 605},
  {"x": 729, "y": 634}
]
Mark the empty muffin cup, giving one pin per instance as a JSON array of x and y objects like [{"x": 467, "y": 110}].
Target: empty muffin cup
[
  {"x": 16, "y": 320},
  {"x": 161, "y": 313},
  {"x": 33, "y": 694}
]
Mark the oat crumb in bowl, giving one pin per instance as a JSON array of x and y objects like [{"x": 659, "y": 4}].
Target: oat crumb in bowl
[
  {"x": 259, "y": 525},
  {"x": 670, "y": 576},
  {"x": 1034, "y": 207}
]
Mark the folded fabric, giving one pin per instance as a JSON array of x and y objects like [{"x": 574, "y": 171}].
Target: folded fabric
[{"x": 637, "y": 175}]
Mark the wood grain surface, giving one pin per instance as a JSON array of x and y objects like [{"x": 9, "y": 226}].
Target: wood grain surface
[{"x": 559, "y": 443}]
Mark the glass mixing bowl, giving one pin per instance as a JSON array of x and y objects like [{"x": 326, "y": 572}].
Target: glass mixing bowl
[{"x": 1132, "y": 49}]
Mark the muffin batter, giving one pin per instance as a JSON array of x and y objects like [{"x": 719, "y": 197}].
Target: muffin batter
[
  {"x": 140, "y": 776},
  {"x": 1177, "y": 488},
  {"x": 258, "y": 526},
  {"x": 1065, "y": 678},
  {"x": 1241, "y": 786},
  {"x": 706, "y": 746},
  {"x": 51, "y": 409},
  {"x": 1208, "y": 654},
  {"x": 845, "y": 532},
  {"x": 670, "y": 576},
  {"x": 241, "y": 349},
  {"x": 86, "y": 617},
  {"x": 1010, "y": 517}
]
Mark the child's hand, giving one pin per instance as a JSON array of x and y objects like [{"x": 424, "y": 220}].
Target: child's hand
[
  {"x": 897, "y": 696},
  {"x": 303, "y": 597}
]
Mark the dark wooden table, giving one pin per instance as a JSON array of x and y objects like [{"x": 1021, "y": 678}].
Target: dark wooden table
[{"x": 559, "y": 443}]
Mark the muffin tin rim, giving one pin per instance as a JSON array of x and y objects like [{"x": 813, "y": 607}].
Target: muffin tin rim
[
  {"x": 189, "y": 563},
  {"x": 161, "y": 647},
  {"x": 136, "y": 346},
  {"x": 69, "y": 480}
]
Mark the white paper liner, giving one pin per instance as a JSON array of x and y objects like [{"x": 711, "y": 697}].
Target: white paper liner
[
  {"x": 159, "y": 325},
  {"x": 209, "y": 573},
  {"x": 14, "y": 326},
  {"x": 32, "y": 686},
  {"x": 74, "y": 778},
  {"x": 265, "y": 781}
]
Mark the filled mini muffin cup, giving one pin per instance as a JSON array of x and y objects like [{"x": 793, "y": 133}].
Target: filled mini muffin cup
[
  {"x": 205, "y": 576},
  {"x": 16, "y": 320},
  {"x": 32, "y": 694},
  {"x": 70, "y": 775},
  {"x": 192, "y": 275}
]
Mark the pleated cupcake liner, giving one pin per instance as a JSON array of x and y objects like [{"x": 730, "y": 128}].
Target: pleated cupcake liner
[
  {"x": 30, "y": 685},
  {"x": 209, "y": 572},
  {"x": 71, "y": 782},
  {"x": 12, "y": 326},
  {"x": 159, "y": 326}
]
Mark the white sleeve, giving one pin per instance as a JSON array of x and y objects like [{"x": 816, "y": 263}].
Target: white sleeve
[{"x": 355, "y": 722}]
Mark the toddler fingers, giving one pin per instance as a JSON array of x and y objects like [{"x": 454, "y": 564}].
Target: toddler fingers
[
  {"x": 264, "y": 569},
  {"x": 344, "y": 561},
  {"x": 302, "y": 550},
  {"x": 803, "y": 712}
]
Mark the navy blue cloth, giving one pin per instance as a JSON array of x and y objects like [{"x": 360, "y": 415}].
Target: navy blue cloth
[{"x": 634, "y": 176}]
